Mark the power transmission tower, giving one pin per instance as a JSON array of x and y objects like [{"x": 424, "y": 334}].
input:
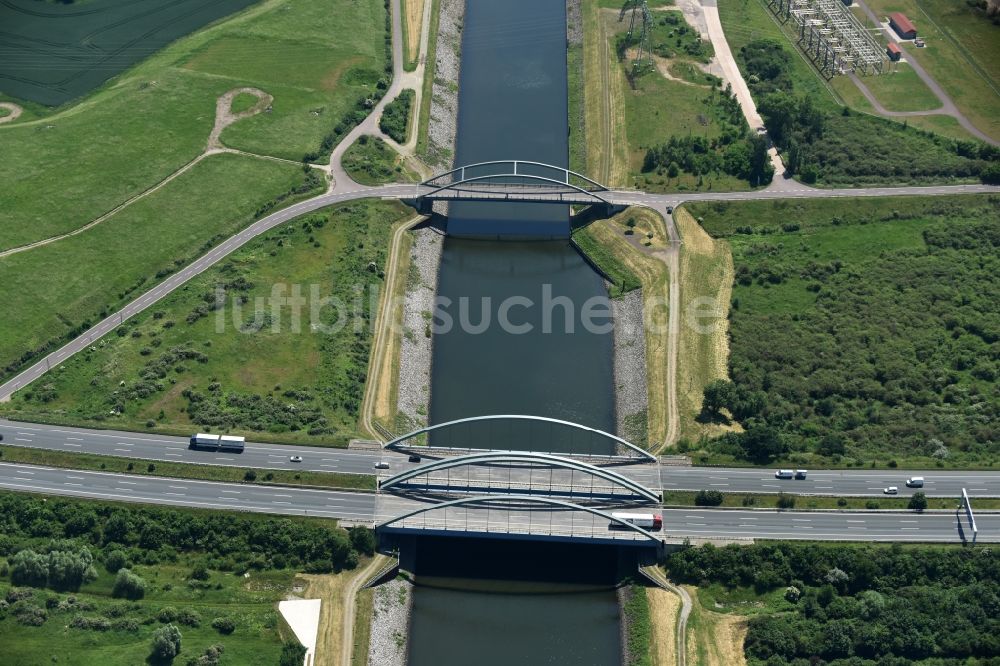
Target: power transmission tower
[{"x": 643, "y": 56}]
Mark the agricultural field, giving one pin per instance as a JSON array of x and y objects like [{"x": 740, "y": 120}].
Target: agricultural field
[
  {"x": 216, "y": 577},
  {"x": 859, "y": 334},
  {"x": 60, "y": 52},
  {"x": 840, "y": 604},
  {"x": 272, "y": 343}
]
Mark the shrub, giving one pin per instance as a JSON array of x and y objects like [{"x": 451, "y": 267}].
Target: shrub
[
  {"x": 115, "y": 560},
  {"x": 128, "y": 585},
  {"x": 189, "y": 618},
  {"x": 708, "y": 498},
  {"x": 785, "y": 501},
  {"x": 167, "y": 614},
  {"x": 918, "y": 502},
  {"x": 166, "y": 642},
  {"x": 224, "y": 625}
]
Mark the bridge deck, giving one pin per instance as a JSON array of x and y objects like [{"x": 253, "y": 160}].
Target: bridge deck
[{"x": 506, "y": 520}]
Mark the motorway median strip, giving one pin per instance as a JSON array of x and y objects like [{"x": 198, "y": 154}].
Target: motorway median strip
[
  {"x": 141, "y": 467},
  {"x": 800, "y": 502}
]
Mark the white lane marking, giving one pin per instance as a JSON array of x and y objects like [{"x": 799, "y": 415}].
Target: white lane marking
[
  {"x": 71, "y": 444},
  {"x": 131, "y": 483},
  {"x": 234, "y": 492},
  {"x": 718, "y": 484},
  {"x": 124, "y": 450},
  {"x": 124, "y": 443},
  {"x": 72, "y": 484},
  {"x": 175, "y": 455},
  {"x": 178, "y": 487},
  {"x": 78, "y": 439},
  {"x": 23, "y": 439},
  {"x": 175, "y": 494},
  {"x": 280, "y": 502}
]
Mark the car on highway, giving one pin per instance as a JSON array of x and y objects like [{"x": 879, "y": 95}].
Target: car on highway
[
  {"x": 800, "y": 473},
  {"x": 891, "y": 490},
  {"x": 915, "y": 482},
  {"x": 784, "y": 474},
  {"x": 295, "y": 459},
  {"x": 381, "y": 465},
  {"x": 414, "y": 458},
  {"x": 1, "y": 436}
]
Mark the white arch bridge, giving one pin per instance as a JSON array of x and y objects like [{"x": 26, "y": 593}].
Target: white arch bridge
[
  {"x": 518, "y": 181},
  {"x": 516, "y": 495}
]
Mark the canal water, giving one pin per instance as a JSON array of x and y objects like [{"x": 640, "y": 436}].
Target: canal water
[{"x": 499, "y": 602}]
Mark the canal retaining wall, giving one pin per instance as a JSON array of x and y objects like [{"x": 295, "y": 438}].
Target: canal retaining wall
[
  {"x": 393, "y": 604},
  {"x": 444, "y": 96},
  {"x": 631, "y": 397}
]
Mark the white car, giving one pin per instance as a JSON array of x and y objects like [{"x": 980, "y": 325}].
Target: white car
[
  {"x": 382, "y": 465},
  {"x": 295, "y": 459},
  {"x": 891, "y": 490}
]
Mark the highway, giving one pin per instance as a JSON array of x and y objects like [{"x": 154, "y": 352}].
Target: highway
[
  {"x": 688, "y": 522},
  {"x": 178, "y": 492},
  {"x": 143, "y": 446}
]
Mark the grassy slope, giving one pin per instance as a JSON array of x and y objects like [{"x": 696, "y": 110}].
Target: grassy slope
[
  {"x": 706, "y": 277},
  {"x": 330, "y": 367},
  {"x": 251, "y": 602},
  {"x": 972, "y": 81},
  {"x": 605, "y": 243},
  {"x": 426, "y": 93},
  {"x": 53, "y": 288}
]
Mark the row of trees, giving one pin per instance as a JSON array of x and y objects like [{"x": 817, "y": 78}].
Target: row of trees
[
  {"x": 861, "y": 605},
  {"x": 229, "y": 541}
]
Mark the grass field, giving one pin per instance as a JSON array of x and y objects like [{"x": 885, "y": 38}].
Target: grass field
[
  {"x": 961, "y": 54},
  {"x": 55, "y": 290},
  {"x": 857, "y": 280},
  {"x": 413, "y": 14},
  {"x": 252, "y": 602},
  {"x": 100, "y": 463},
  {"x": 257, "y": 365},
  {"x": 370, "y": 161},
  {"x": 900, "y": 89}
]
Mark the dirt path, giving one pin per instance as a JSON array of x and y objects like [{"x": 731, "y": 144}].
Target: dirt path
[
  {"x": 14, "y": 109},
  {"x": 223, "y": 118},
  {"x": 349, "y": 606},
  {"x": 379, "y": 385}
]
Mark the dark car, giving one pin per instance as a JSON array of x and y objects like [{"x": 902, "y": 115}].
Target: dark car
[{"x": 414, "y": 457}]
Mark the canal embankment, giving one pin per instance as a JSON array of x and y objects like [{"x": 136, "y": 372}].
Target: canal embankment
[
  {"x": 390, "y": 624},
  {"x": 443, "y": 120}
]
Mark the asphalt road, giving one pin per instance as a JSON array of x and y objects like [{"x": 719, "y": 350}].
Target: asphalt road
[
  {"x": 705, "y": 523},
  {"x": 177, "y": 492},
  {"x": 142, "y": 446}
]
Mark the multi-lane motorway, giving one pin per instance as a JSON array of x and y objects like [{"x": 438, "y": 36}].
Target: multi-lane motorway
[
  {"x": 943, "y": 483},
  {"x": 694, "y": 523}
]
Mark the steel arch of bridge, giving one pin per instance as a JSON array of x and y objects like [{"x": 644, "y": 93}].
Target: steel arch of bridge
[
  {"x": 392, "y": 444},
  {"x": 437, "y": 186},
  {"x": 523, "y": 457},
  {"x": 549, "y": 501}
]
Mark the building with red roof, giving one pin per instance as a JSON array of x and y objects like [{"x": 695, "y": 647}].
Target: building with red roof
[
  {"x": 902, "y": 25},
  {"x": 894, "y": 51}
]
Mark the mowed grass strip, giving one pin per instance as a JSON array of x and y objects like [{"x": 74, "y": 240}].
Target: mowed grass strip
[
  {"x": 283, "y": 356},
  {"x": 54, "y": 290},
  {"x": 686, "y": 498},
  {"x": 201, "y": 472}
]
